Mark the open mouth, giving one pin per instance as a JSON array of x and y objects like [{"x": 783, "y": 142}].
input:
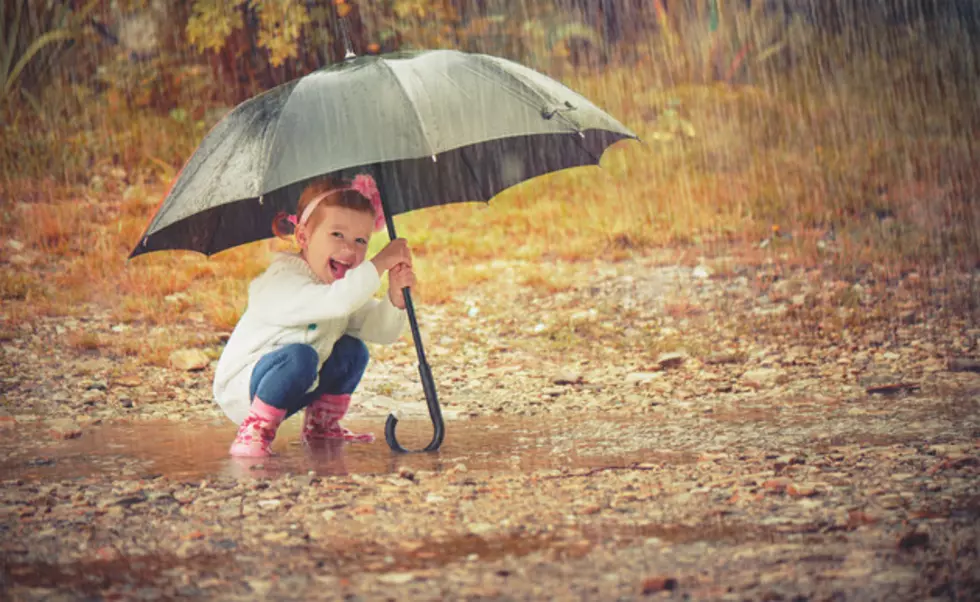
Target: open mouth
[{"x": 338, "y": 268}]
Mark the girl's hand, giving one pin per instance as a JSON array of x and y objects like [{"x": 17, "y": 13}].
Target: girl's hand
[
  {"x": 399, "y": 277},
  {"x": 396, "y": 252}
]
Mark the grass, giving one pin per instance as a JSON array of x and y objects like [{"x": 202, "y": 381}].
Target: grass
[{"x": 876, "y": 159}]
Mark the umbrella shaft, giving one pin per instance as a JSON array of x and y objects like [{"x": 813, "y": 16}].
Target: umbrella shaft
[
  {"x": 428, "y": 383},
  {"x": 414, "y": 324}
]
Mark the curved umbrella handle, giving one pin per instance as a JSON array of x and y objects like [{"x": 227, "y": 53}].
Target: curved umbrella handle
[
  {"x": 428, "y": 386},
  {"x": 439, "y": 431}
]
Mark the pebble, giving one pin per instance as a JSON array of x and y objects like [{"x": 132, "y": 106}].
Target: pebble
[
  {"x": 276, "y": 536},
  {"x": 778, "y": 485},
  {"x": 658, "y": 584},
  {"x": 636, "y": 378},
  {"x": 259, "y": 587},
  {"x": 671, "y": 360},
  {"x": 396, "y": 578},
  {"x": 567, "y": 377},
  {"x": 480, "y": 528},
  {"x": 762, "y": 378},
  {"x": 189, "y": 360},
  {"x": 801, "y": 490},
  {"x": 64, "y": 429},
  {"x": 721, "y": 358},
  {"x": 127, "y": 381},
  {"x": 93, "y": 396}
]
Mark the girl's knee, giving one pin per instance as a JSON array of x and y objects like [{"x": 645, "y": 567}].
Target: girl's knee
[
  {"x": 353, "y": 349},
  {"x": 303, "y": 358}
]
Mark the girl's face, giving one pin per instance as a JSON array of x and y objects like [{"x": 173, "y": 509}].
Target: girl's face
[{"x": 335, "y": 241}]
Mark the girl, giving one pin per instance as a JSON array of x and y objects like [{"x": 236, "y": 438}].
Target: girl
[{"x": 299, "y": 343}]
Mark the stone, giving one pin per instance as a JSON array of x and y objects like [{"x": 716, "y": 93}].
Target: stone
[
  {"x": 93, "y": 396},
  {"x": 671, "y": 360},
  {"x": 762, "y": 377},
  {"x": 702, "y": 272},
  {"x": 567, "y": 377},
  {"x": 722, "y": 357},
  {"x": 189, "y": 360},
  {"x": 963, "y": 364},
  {"x": 396, "y": 578},
  {"x": 260, "y": 587},
  {"x": 128, "y": 381},
  {"x": 891, "y": 500},
  {"x": 801, "y": 490},
  {"x": 480, "y": 528},
  {"x": 778, "y": 484},
  {"x": 652, "y": 585},
  {"x": 913, "y": 539},
  {"x": 64, "y": 428},
  {"x": 639, "y": 378}
]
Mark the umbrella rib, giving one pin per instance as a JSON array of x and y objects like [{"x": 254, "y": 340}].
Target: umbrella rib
[
  {"x": 418, "y": 116},
  {"x": 524, "y": 85},
  {"x": 275, "y": 134},
  {"x": 578, "y": 140}
]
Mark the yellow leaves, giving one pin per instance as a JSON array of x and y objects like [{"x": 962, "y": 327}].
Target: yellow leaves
[
  {"x": 280, "y": 24},
  {"x": 405, "y": 9},
  {"x": 212, "y": 22}
]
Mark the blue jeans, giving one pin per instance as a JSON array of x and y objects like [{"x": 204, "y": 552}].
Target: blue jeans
[{"x": 282, "y": 377}]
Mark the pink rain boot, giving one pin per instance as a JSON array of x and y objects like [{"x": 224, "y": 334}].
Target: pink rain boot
[
  {"x": 257, "y": 431},
  {"x": 322, "y": 420}
]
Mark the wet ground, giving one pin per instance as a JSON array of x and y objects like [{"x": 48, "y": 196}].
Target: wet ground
[
  {"x": 518, "y": 508},
  {"x": 179, "y": 450},
  {"x": 726, "y": 438}
]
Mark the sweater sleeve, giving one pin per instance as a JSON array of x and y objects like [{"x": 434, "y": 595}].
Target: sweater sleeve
[
  {"x": 285, "y": 295},
  {"x": 377, "y": 322}
]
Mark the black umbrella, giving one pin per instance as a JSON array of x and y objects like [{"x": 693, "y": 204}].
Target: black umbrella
[{"x": 433, "y": 127}]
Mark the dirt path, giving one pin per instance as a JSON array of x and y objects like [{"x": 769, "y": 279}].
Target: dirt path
[{"x": 702, "y": 432}]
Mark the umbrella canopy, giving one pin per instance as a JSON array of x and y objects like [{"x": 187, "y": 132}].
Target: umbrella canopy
[{"x": 433, "y": 127}]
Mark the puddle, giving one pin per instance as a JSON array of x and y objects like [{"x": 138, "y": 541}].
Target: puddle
[{"x": 199, "y": 451}]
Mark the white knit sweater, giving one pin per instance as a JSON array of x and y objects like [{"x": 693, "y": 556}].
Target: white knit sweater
[{"x": 289, "y": 304}]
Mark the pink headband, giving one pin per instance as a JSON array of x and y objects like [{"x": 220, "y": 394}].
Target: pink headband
[{"x": 363, "y": 184}]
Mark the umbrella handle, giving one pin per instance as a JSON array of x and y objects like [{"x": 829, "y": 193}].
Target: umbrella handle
[{"x": 428, "y": 386}]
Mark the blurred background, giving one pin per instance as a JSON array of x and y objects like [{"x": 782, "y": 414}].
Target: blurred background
[{"x": 834, "y": 132}]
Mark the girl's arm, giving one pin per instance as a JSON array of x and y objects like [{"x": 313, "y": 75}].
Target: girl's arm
[
  {"x": 285, "y": 295},
  {"x": 377, "y": 322}
]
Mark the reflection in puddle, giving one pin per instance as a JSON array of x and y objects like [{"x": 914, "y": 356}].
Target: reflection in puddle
[{"x": 197, "y": 451}]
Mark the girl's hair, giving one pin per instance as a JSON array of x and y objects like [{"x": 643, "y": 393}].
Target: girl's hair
[{"x": 340, "y": 195}]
